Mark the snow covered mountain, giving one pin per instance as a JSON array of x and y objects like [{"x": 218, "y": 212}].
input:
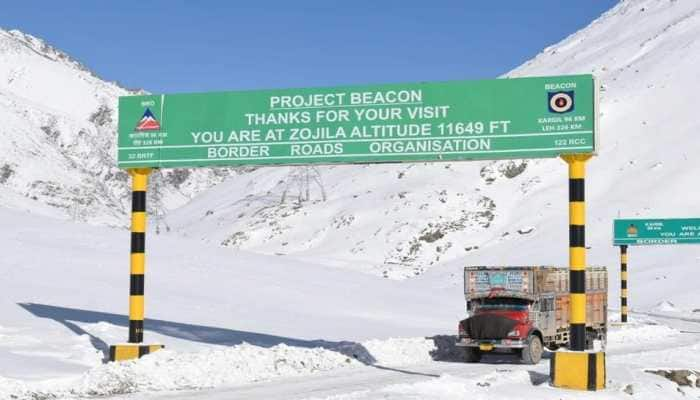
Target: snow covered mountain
[
  {"x": 57, "y": 156},
  {"x": 399, "y": 220}
]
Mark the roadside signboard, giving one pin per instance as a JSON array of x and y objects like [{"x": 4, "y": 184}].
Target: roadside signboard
[
  {"x": 431, "y": 121},
  {"x": 638, "y": 232}
]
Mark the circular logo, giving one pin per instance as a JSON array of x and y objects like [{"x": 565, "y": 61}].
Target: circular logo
[{"x": 561, "y": 102}]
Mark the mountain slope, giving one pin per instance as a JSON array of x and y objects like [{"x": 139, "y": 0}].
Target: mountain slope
[
  {"x": 58, "y": 151},
  {"x": 399, "y": 220}
]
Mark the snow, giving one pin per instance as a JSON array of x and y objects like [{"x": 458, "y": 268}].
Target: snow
[
  {"x": 57, "y": 157},
  {"x": 665, "y": 307},
  {"x": 640, "y": 333},
  {"x": 242, "y": 330},
  {"x": 197, "y": 295},
  {"x": 259, "y": 290},
  {"x": 400, "y": 351},
  {"x": 167, "y": 370}
]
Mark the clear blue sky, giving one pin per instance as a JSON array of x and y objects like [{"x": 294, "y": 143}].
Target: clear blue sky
[{"x": 184, "y": 46}]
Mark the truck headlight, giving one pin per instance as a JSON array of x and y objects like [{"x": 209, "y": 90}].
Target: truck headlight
[{"x": 514, "y": 333}]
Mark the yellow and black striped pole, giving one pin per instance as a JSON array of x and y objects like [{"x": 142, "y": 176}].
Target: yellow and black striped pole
[
  {"x": 577, "y": 369},
  {"x": 577, "y": 251},
  {"x": 134, "y": 349},
  {"x": 623, "y": 280},
  {"x": 138, "y": 249}
]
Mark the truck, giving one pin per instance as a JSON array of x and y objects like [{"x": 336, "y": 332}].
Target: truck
[{"x": 524, "y": 309}]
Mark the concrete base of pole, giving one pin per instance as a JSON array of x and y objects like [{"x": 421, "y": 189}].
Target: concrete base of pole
[
  {"x": 578, "y": 370},
  {"x": 131, "y": 351}
]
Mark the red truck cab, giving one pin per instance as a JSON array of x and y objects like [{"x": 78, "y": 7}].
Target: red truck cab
[{"x": 500, "y": 323}]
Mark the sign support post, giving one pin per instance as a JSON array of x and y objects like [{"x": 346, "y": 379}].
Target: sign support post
[
  {"x": 577, "y": 251},
  {"x": 134, "y": 349},
  {"x": 623, "y": 283},
  {"x": 566, "y": 367}
]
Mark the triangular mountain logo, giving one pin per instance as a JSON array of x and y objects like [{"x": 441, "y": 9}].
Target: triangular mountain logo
[{"x": 148, "y": 122}]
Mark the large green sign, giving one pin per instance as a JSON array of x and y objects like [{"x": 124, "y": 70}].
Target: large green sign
[
  {"x": 463, "y": 120},
  {"x": 656, "y": 231}
]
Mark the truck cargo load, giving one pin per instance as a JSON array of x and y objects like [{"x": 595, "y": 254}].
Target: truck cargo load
[{"x": 523, "y": 309}]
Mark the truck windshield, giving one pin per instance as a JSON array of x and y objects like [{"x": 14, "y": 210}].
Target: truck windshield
[{"x": 502, "y": 303}]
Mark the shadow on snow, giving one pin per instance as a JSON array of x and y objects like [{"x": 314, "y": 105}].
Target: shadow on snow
[
  {"x": 68, "y": 317},
  {"x": 445, "y": 349}
]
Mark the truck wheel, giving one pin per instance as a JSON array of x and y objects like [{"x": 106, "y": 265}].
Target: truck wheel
[
  {"x": 472, "y": 354},
  {"x": 532, "y": 352}
]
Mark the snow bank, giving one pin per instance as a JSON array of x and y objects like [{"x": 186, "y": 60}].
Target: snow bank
[
  {"x": 642, "y": 333},
  {"x": 168, "y": 370},
  {"x": 400, "y": 351}
]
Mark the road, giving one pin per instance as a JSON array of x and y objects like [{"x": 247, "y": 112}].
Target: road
[
  {"x": 626, "y": 363},
  {"x": 357, "y": 380}
]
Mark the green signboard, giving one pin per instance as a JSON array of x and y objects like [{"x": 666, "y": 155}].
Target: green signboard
[
  {"x": 436, "y": 121},
  {"x": 656, "y": 231}
]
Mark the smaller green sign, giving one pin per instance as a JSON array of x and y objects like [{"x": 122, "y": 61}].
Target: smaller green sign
[{"x": 644, "y": 232}]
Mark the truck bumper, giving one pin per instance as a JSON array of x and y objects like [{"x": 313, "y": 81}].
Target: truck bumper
[{"x": 488, "y": 345}]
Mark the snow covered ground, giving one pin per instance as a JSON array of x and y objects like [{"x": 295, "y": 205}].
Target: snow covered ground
[
  {"x": 256, "y": 326},
  {"x": 65, "y": 296}
]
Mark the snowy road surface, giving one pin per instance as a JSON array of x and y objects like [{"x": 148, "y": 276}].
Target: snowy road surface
[
  {"x": 323, "y": 385},
  {"x": 632, "y": 349}
]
